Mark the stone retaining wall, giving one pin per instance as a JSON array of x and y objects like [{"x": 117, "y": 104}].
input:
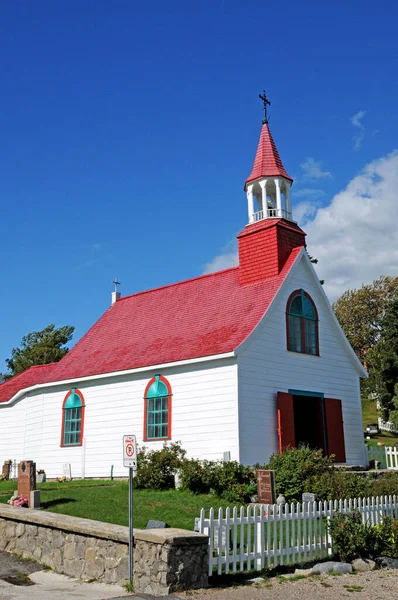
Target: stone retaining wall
[{"x": 165, "y": 560}]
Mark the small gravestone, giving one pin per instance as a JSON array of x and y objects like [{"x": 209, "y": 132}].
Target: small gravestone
[
  {"x": 308, "y": 498},
  {"x": 67, "y": 470},
  {"x": 6, "y": 469},
  {"x": 152, "y": 524},
  {"x": 26, "y": 479},
  {"x": 265, "y": 486},
  {"x": 34, "y": 499}
]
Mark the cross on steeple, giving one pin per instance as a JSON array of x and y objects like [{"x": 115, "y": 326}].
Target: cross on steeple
[
  {"x": 116, "y": 282},
  {"x": 265, "y": 100}
]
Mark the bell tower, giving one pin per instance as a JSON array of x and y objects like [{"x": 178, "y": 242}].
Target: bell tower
[
  {"x": 271, "y": 234},
  {"x": 268, "y": 185}
]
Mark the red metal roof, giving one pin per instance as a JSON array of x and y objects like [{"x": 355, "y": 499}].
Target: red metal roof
[
  {"x": 205, "y": 316},
  {"x": 267, "y": 162},
  {"x": 32, "y": 376}
]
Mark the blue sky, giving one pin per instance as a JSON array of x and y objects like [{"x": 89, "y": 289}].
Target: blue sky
[{"x": 128, "y": 130}]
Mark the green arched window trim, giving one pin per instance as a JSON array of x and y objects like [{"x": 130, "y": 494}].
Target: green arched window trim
[
  {"x": 72, "y": 419},
  {"x": 157, "y": 417},
  {"x": 302, "y": 324}
]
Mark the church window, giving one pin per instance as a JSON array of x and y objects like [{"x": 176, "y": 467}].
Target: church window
[
  {"x": 72, "y": 418},
  {"x": 157, "y": 416},
  {"x": 302, "y": 324}
]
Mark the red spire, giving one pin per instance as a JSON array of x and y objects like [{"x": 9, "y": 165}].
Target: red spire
[{"x": 267, "y": 162}]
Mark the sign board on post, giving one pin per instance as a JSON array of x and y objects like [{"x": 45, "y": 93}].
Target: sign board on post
[
  {"x": 130, "y": 452},
  {"x": 130, "y": 461}
]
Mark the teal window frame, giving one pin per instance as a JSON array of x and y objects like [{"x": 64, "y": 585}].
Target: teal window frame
[
  {"x": 302, "y": 325},
  {"x": 157, "y": 424},
  {"x": 72, "y": 419}
]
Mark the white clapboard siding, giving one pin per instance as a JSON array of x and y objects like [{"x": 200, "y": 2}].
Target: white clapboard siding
[
  {"x": 204, "y": 419},
  {"x": 387, "y": 456},
  {"x": 262, "y": 536},
  {"x": 265, "y": 367}
]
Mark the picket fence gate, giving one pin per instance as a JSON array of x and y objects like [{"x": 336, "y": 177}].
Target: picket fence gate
[
  {"x": 259, "y": 536},
  {"x": 386, "y": 455}
]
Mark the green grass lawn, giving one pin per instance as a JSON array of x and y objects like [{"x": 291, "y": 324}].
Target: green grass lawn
[
  {"x": 370, "y": 415},
  {"x": 108, "y": 501}
]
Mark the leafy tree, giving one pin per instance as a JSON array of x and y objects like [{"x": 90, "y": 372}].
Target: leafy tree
[
  {"x": 360, "y": 313},
  {"x": 39, "y": 348},
  {"x": 384, "y": 359}
]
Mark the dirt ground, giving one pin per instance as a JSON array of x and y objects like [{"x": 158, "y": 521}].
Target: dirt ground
[{"x": 376, "y": 585}]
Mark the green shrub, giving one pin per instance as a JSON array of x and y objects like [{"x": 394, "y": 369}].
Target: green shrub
[
  {"x": 351, "y": 538},
  {"x": 232, "y": 481},
  {"x": 294, "y": 467},
  {"x": 156, "y": 468},
  {"x": 195, "y": 475},
  {"x": 228, "y": 480},
  {"x": 335, "y": 484},
  {"x": 385, "y": 485}
]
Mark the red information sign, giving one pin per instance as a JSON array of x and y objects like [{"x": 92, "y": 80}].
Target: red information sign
[{"x": 130, "y": 451}]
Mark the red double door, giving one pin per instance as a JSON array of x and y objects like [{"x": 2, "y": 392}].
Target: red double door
[{"x": 317, "y": 422}]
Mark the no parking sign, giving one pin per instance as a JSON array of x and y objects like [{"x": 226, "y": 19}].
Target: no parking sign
[{"x": 130, "y": 452}]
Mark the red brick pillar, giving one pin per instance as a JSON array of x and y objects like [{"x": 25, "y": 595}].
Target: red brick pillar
[{"x": 26, "y": 478}]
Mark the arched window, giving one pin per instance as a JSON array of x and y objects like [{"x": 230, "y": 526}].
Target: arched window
[
  {"x": 302, "y": 324},
  {"x": 72, "y": 418},
  {"x": 157, "y": 416}
]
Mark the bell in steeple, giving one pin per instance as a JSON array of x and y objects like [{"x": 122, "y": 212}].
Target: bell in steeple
[{"x": 268, "y": 185}]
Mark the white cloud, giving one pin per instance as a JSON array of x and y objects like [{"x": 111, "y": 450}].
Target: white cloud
[
  {"x": 356, "y": 120},
  {"x": 312, "y": 169},
  {"x": 227, "y": 258},
  {"x": 304, "y": 211},
  {"x": 355, "y": 238}
]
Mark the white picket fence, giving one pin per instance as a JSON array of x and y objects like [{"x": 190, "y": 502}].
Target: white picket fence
[
  {"x": 387, "y": 456},
  {"x": 259, "y": 536},
  {"x": 387, "y": 426}
]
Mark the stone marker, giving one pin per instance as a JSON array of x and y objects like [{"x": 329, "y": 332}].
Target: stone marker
[
  {"x": 34, "y": 499},
  {"x": 26, "y": 478},
  {"x": 265, "y": 486},
  {"x": 152, "y": 524},
  {"x": 308, "y": 498},
  {"x": 6, "y": 470},
  {"x": 67, "y": 470}
]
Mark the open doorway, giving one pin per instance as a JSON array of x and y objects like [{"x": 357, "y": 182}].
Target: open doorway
[{"x": 309, "y": 423}]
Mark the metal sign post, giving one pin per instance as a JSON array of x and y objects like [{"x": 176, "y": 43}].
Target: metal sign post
[{"x": 130, "y": 461}]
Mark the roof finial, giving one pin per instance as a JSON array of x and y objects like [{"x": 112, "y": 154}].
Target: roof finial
[
  {"x": 265, "y": 100},
  {"x": 116, "y": 282}
]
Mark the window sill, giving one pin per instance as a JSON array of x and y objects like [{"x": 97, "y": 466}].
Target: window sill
[
  {"x": 71, "y": 445},
  {"x": 304, "y": 353},
  {"x": 164, "y": 439}
]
